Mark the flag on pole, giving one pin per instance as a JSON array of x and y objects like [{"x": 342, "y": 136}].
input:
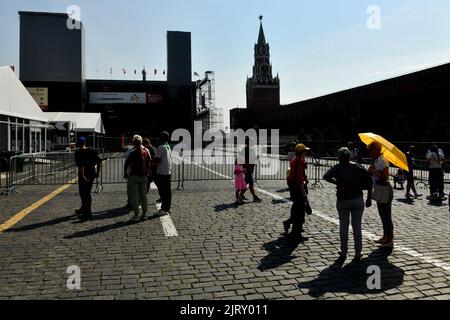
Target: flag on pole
[
  {"x": 134, "y": 71},
  {"x": 155, "y": 72},
  {"x": 164, "y": 72},
  {"x": 124, "y": 71},
  {"x": 111, "y": 70}
]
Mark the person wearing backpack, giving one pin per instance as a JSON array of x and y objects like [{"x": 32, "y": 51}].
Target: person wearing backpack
[{"x": 350, "y": 179}]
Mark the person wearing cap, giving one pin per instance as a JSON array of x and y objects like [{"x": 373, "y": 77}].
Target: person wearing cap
[
  {"x": 296, "y": 182},
  {"x": 163, "y": 160},
  {"x": 89, "y": 165},
  {"x": 350, "y": 179},
  {"x": 136, "y": 170}
]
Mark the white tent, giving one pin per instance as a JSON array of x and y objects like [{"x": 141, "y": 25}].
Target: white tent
[
  {"x": 84, "y": 122},
  {"x": 15, "y": 100}
]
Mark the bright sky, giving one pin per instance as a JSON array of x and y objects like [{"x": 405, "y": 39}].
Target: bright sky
[{"x": 317, "y": 47}]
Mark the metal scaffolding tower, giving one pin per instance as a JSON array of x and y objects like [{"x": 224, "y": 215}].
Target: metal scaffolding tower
[{"x": 206, "y": 98}]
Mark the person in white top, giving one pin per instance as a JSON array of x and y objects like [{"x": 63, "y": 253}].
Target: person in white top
[
  {"x": 380, "y": 173},
  {"x": 436, "y": 174}
]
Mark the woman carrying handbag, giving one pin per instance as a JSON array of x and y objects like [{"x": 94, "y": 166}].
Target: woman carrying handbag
[{"x": 383, "y": 193}]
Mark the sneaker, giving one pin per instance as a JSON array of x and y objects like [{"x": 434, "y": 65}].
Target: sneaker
[
  {"x": 256, "y": 199},
  {"x": 381, "y": 240},
  {"x": 418, "y": 195},
  {"x": 409, "y": 195},
  {"x": 144, "y": 216},
  {"x": 85, "y": 216},
  {"x": 79, "y": 212},
  {"x": 286, "y": 226},
  {"x": 243, "y": 198},
  {"x": 135, "y": 217},
  {"x": 162, "y": 213},
  {"x": 357, "y": 257}
]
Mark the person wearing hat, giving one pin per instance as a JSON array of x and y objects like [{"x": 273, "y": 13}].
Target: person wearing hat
[
  {"x": 89, "y": 165},
  {"x": 297, "y": 182},
  {"x": 350, "y": 179}
]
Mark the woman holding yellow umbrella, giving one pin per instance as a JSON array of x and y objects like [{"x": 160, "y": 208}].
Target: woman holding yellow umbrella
[
  {"x": 380, "y": 172},
  {"x": 383, "y": 152}
]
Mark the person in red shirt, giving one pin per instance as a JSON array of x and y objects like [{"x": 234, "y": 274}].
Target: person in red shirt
[{"x": 297, "y": 181}]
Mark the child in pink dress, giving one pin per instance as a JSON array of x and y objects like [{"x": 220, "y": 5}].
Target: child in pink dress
[{"x": 239, "y": 182}]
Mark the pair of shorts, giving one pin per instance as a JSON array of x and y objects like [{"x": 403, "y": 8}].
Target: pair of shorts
[{"x": 249, "y": 179}]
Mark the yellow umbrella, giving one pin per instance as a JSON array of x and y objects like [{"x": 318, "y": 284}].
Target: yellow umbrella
[{"x": 389, "y": 151}]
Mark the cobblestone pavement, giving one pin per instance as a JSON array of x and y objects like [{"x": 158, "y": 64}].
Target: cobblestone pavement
[{"x": 221, "y": 252}]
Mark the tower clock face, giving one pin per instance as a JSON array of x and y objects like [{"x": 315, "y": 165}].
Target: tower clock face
[{"x": 265, "y": 69}]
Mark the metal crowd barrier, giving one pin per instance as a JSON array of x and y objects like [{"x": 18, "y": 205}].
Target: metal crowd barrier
[{"x": 58, "y": 168}]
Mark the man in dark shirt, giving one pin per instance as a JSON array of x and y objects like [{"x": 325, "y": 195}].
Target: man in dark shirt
[
  {"x": 350, "y": 180},
  {"x": 88, "y": 164}
]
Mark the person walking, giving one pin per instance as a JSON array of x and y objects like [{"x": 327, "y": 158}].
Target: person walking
[
  {"x": 136, "y": 170},
  {"x": 163, "y": 160},
  {"x": 249, "y": 166},
  {"x": 410, "y": 174},
  {"x": 89, "y": 166},
  {"x": 383, "y": 193},
  {"x": 350, "y": 180},
  {"x": 296, "y": 183},
  {"x": 239, "y": 182},
  {"x": 436, "y": 178}
]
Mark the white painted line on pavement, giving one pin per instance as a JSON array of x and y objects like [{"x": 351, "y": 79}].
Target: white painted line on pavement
[
  {"x": 411, "y": 252},
  {"x": 167, "y": 224}
]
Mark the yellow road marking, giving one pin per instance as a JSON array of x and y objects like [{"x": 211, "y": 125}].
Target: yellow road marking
[{"x": 25, "y": 212}]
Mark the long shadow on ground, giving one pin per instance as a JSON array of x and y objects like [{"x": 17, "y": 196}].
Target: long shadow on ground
[
  {"x": 280, "y": 252},
  {"x": 108, "y": 214},
  {"x": 354, "y": 277}
]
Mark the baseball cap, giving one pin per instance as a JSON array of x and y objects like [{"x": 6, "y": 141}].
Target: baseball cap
[{"x": 301, "y": 147}]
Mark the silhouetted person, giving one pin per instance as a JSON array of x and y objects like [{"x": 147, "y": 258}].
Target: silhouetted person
[
  {"x": 163, "y": 160},
  {"x": 350, "y": 180},
  {"x": 410, "y": 174},
  {"x": 383, "y": 193},
  {"x": 436, "y": 173},
  {"x": 89, "y": 166},
  {"x": 297, "y": 182}
]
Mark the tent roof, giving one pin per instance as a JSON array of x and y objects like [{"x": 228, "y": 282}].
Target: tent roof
[
  {"x": 15, "y": 100},
  {"x": 84, "y": 122}
]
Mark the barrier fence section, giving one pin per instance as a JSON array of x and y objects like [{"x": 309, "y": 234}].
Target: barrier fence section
[{"x": 58, "y": 168}]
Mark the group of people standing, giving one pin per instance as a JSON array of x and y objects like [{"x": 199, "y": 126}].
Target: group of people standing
[
  {"x": 351, "y": 179},
  {"x": 143, "y": 165}
]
